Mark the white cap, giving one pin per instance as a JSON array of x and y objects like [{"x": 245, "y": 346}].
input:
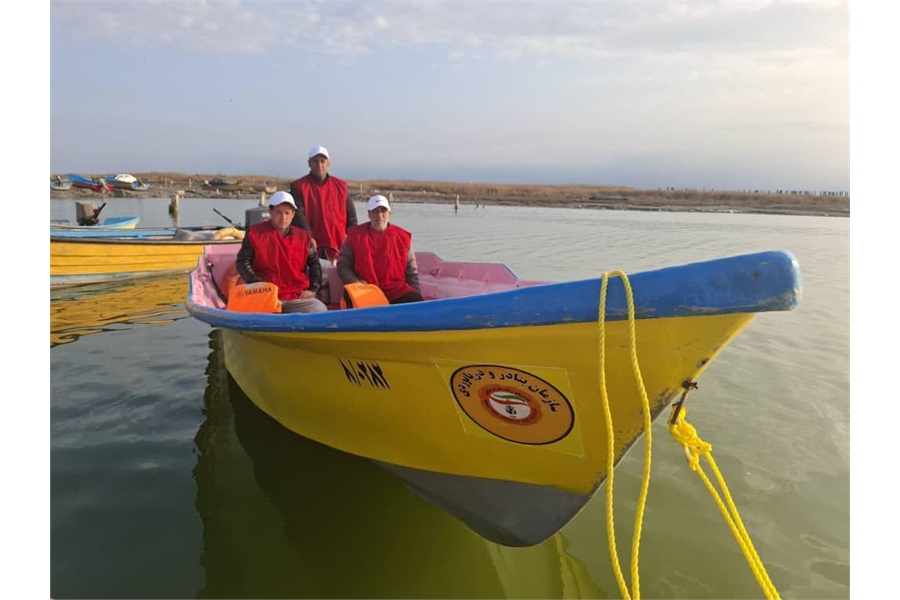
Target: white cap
[
  {"x": 376, "y": 201},
  {"x": 280, "y": 198},
  {"x": 316, "y": 150}
]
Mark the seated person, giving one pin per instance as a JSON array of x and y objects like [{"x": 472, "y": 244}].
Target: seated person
[
  {"x": 278, "y": 253},
  {"x": 381, "y": 253}
]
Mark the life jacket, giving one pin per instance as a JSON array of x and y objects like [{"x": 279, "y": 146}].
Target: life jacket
[
  {"x": 325, "y": 205},
  {"x": 281, "y": 259},
  {"x": 261, "y": 296},
  {"x": 380, "y": 258},
  {"x": 362, "y": 295}
]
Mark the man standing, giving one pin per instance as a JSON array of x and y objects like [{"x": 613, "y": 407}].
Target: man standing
[
  {"x": 381, "y": 253},
  {"x": 323, "y": 205},
  {"x": 276, "y": 252}
]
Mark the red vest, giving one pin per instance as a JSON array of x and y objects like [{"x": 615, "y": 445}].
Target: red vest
[
  {"x": 326, "y": 209},
  {"x": 280, "y": 259},
  {"x": 380, "y": 258}
]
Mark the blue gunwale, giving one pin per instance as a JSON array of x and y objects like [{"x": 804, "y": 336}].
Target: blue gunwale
[{"x": 750, "y": 283}]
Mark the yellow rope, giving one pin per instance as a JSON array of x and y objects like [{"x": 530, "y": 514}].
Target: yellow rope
[
  {"x": 683, "y": 433},
  {"x": 694, "y": 447},
  {"x": 610, "y": 446}
]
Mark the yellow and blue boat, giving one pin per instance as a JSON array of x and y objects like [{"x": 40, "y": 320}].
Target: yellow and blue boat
[
  {"x": 490, "y": 399},
  {"x": 83, "y": 255}
]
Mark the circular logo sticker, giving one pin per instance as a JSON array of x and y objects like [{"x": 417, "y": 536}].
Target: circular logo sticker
[{"x": 515, "y": 405}]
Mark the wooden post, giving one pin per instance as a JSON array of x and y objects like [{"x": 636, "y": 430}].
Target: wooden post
[
  {"x": 173, "y": 205},
  {"x": 457, "y": 203}
]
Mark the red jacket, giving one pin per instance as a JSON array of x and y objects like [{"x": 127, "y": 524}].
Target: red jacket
[
  {"x": 325, "y": 209},
  {"x": 281, "y": 259},
  {"x": 380, "y": 258}
]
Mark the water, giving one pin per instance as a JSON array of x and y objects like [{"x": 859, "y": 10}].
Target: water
[{"x": 167, "y": 482}]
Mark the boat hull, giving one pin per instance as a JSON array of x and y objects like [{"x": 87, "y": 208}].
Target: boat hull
[
  {"x": 97, "y": 185},
  {"x": 82, "y": 257},
  {"x": 126, "y": 185},
  {"x": 487, "y": 399},
  {"x": 112, "y": 223},
  {"x": 428, "y": 401}
]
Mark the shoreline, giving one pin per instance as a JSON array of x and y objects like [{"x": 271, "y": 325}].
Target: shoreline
[{"x": 166, "y": 186}]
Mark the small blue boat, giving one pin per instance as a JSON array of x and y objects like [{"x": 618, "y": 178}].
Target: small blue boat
[
  {"x": 88, "y": 182},
  {"x": 87, "y": 218},
  {"x": 111, "y": 223}
]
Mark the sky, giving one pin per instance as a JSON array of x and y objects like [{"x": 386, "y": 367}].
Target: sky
[
  {"x": 723, "y": 95},
  {"x": 650, "y": 94}
]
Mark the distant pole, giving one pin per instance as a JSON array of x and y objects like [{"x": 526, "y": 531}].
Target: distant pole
[
  {"x": 173, "y": 205},
  {"x": 391, "y": 199},
  {"x": 457, "y": 203},
  {"x": 262, "y": 199}
]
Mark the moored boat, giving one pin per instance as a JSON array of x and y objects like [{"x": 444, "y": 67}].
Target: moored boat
[
  {"x": 489, "y": 399},
  {"x": 60, "y": 184},
  {"x": 87, "y": 216},
  {"x": 87, "y": 255},
  {"x": 227, "y": 185},
  {"x": 87, "y": 182},
  {"x": 116, "y": 223},
  {"x": 125, "y": 181}
]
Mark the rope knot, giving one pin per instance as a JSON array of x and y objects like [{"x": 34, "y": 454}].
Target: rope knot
[{"x": 685, "y": 434}]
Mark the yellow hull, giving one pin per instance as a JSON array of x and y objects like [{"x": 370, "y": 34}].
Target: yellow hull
[
  {"x": 429, "y": 400},
  {"x": 78, "y": 260}
]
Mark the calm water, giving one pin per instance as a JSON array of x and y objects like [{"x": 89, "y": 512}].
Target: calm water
[{"x": 167, "y": 482}]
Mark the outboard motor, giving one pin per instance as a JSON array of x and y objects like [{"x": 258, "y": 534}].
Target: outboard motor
[
  {"x": 86, "y": 213},
  {"x": 255, "y": 215}
]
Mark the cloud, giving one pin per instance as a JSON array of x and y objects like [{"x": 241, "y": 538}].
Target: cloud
[{"x": 501, "y": 29}]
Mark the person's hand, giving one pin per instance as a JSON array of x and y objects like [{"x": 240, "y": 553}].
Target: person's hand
[{"x": 307, "y": 294}]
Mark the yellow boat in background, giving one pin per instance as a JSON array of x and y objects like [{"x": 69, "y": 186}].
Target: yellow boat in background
[
  {"x": 82, "y": 255},
  {"x": 487, "y": 399}
]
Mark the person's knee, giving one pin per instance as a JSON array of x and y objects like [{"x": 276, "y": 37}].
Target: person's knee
[{"x": 303, "y": 305}]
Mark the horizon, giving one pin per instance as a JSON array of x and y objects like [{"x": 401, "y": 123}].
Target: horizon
[
  {"x": 685, "y": 95},
  {"x": 267, "y": 177}
]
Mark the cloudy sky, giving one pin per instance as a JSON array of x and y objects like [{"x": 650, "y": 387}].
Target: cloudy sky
[{"x": 725, "y": 95}]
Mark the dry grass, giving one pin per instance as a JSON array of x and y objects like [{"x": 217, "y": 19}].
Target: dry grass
[{"x": 614, "y": 197}]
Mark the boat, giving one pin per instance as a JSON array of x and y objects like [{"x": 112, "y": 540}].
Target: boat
[
  {"x": 262, "y": 187},
  {"x": 87, "y": 182},
  {"x": 117, "y": 223},
  {"x": 88, "y": 216},
  {"x": 223, "y": 184},
  {"x": 60, "y": 184},
  {"x": 82, "y": 255},
  {"x": 125, "y": 181},
  {"x": 76, "y": 312},
  {"x": 488, "y": 399}
]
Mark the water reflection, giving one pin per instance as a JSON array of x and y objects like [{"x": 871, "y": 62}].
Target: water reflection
[
  {"x": 284, "y": 516},
  {"x": 89, "y": 309}
]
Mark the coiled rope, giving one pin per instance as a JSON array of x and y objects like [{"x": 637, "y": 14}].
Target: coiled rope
[{"x": 683, "y": 433}]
